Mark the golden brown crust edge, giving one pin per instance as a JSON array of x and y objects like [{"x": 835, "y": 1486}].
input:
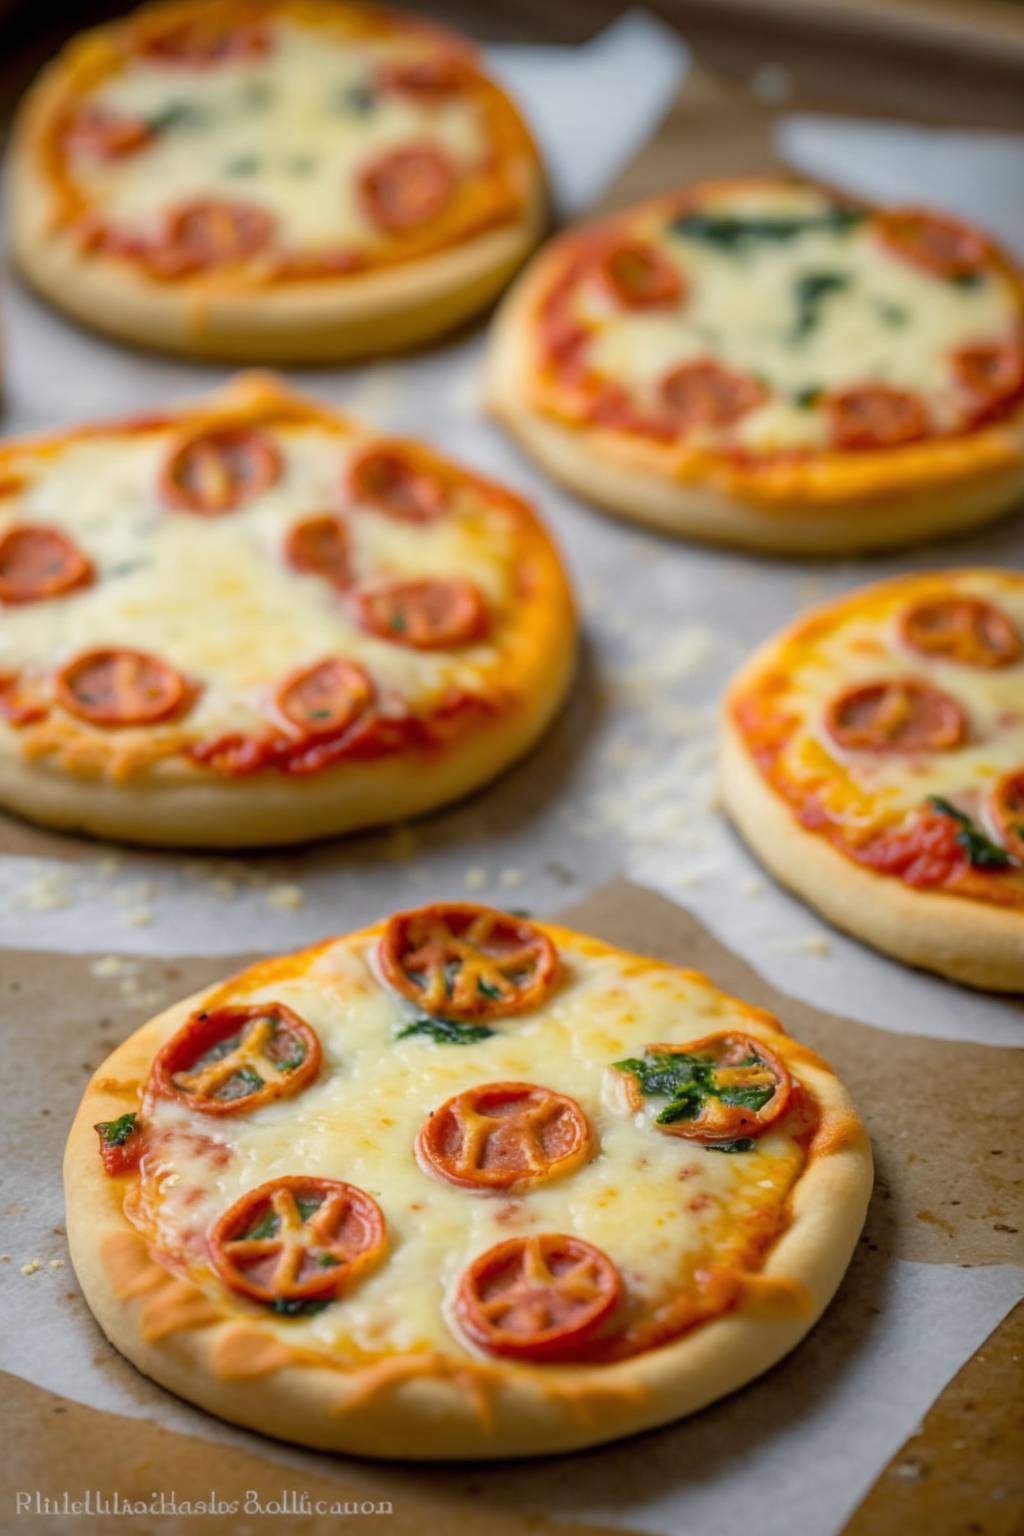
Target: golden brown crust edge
[
  {"x": 624, "y": 477},
  {"x": 479, "y": 1411},
  {"x": 966, "y": 941},
  {"x": 316, "y": 322}
]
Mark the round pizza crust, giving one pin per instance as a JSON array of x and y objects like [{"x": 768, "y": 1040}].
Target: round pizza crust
[
  {"x": 844, "y": 504},
  {"x": 174, "y": 803},
  {"x": 474, "y": 1411},
  {"x": 320, "y": 321}
]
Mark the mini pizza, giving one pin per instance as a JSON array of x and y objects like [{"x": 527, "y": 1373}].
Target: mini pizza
[
  {"x": 768, "y": 364},
  {"x": 252, "y": 621},
  {"x": 272, "y": 180},
  {"x": 873, "y": 758},
  {"x": 461, "y": 1185}
]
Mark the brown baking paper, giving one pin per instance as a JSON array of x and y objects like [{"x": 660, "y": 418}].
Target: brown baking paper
[{"x": 945, "y": 1195}]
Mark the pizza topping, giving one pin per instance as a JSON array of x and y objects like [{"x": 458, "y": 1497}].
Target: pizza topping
[
  {"x": 929, "y": 240},
  {"x": 981, "y": 851},
  {"x": 428, "y": 615},
  {"x": 106, "y": 135},
  {"x": 466, "y": 962},
  {"x": 237, "y": 1058},
  {"x": 120, "y": 687},
  {"x": 220, "y": 470},
  {"x": 963, "y": 629},
  {"x": 446, "y": 1031},
  {"x": 205, "y": 39},
  {"x": 991, "y": 373},
  {"x": 426, "y": 79},
  {"x": 542, "y": 1297},
  {"x": 121, "y": 1144},
  {"x": 898, "y": 715},
  {"x": 298, "y": 1240},
  {"x": 638, "y": 276},
  {"x": 210, "y": 232},
  {"x": 717, "y": 1089},
  {"x": 38, "y": 562},
  {"x": 505, "y": 1135},
  {"x": 406, "y": 188},
  {"x": 325, "y": 699},
  {"x": 18, "y": 705},
  {"x": 389, "y": 481},
  {"x": 734, "y": 232},
  {"x": 1008, "y": 810},
  {"x": 875, "y": 416},
  {"x": 319, "y": 546},
  {"x": 706, "y": 394}
]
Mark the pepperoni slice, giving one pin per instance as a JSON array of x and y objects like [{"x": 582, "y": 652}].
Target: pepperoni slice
[
  {"x": 325, "y": 699},
  {"x": 929, "y": 240},
  {"x": 237, "y": 1058},
  {"x": 219, "y": 470},
  {"x": 37, "y": 562},
  {"x": 206, "y": 39},
  {"x": 992, "y": 374},
  {"x": 1008, "y": 811},
  {"x": 705, "y": 394},
  {"x": 120, "y": 687},
  {"x": 429, "y": 615},
  {"x": 298, "y": 1239},
  {"x": 899, "y": 715},
  {"x": 541, "y": 1297},
  {"x": 422, "y": 79},
  {"x": 105, "y": 134},
  {"x": 505, "y": 1136},
  {"x": 210, "y": 232},
  {"x": 964, "y": 629},
  {"x": 319, "y": 546},
  {"x": 406, "y": 188},
  {"x": 639, "y": 276},
  {"x": 461, "y": 961},
  {"x": 389, "y": 481},
  {"x": 718, "y": 1088},
  {"x": 875, "y": 416}
]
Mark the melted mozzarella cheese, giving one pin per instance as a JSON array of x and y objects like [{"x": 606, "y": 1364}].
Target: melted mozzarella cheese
[
  {"x": 884, "y": 321},
  {"x": 290, "y": 132},
  {"x": 867, "y": 647},
  {"x": 214, "y": 595},
  {"x": 654, "y": 1203}
]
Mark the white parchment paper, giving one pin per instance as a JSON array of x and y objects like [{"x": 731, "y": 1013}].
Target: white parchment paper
[{"x": 618, "y": 787}]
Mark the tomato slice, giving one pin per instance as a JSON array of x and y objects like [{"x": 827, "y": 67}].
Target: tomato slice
[
  {"x": 120, "y": 687},
  {"x": 210, "y": 232},
  {"x": 964, "y": 629},
  {"x": 505, "y": 1136},
  {"x": 122, "y": 1143},
  {"x": 1008, "y": 811},
  {"x": 298, "y": 1239},
  {"x": 206, "y": 39},
  {"x": 705, "y": 394},
  {"x": 440, "y": 76},
  {"x": 875, "y": 416},
  {"x": 388, "y": 480},
  {"x": 237, "y": 1058},
  {"x": 18, "y": 705},
  {"x": 326, "y": 698},
  {"x": 219, "y": 470},
  {"x": 319, "y": 546},
  {"x": 541, "y": 1297},
  {"x": 639, "y": 276},
  {"x": 992, "y": 374},
  {"x": 932, "y": 241},
  {"x": 37, "y": 562},
  {"x": 106, "y": 135},
  {"x": 461, "y": 961},
  {"x": 406, "y": 188},
  {"x": 428, "y": 615},
  {"x": 897, "y": 715},
  {"x": 719, "y": 1088}
]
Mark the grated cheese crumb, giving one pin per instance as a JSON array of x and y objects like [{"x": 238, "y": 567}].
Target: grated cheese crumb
[
  {"x": 475, "y": 878},
  {"x": 510, "y": 878},
  {"x": 285, "y": 898},
  {"x": 46, "y": 892},
  {"x": 814, "y": 944},
  {"x": 56, "y": 1263},
  {"x": 31, "y": 1267},
  {"x": 140, "y": 918},
  {"x": 113, "y": 965}
]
